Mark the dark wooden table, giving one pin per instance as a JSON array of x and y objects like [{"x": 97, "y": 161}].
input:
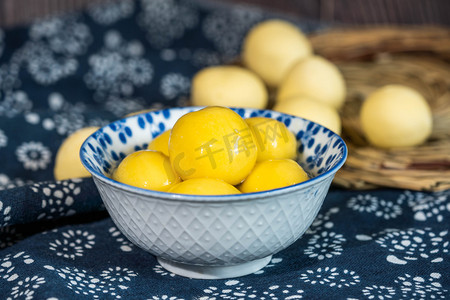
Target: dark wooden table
[{"x": 356, "y": 12}]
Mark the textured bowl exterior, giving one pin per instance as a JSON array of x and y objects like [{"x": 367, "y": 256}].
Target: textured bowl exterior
[
  {"x": 214, "y": 233},
  {"x": 211, "y": 230}
]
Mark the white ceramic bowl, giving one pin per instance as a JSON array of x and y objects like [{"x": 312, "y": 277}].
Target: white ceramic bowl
[{"x": 211, "y": 236}]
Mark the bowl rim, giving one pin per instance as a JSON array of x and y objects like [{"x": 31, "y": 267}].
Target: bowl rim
[{"x": 211, "y": 198}]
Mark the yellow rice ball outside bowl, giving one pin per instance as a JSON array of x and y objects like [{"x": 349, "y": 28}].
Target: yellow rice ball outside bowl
[
  {"x": 228, "y": 86},
  {"x": 272, "y": 47},
  {"x": 308, "y": 108},
  {"x": 314, "y": 77},
  {"x": 396, "y": 116}
]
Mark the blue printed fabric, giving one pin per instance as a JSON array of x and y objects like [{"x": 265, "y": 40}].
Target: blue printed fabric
[{"x": 90, "y": 68}]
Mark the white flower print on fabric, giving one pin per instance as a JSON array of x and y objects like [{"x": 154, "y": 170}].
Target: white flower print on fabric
[
  {"x": 125, "y": 245},
  {"x": 325, "y": 245},
  {"x": 82, "y": 283},
  {"x": 57, "y": 198},
  {"x": 73, "y": 243},
  {"x": 5, "y": 214},
  {"x": 63, "y": 35},
  {"x": 379, "y": 292},
  {"x": 165, "y": 297},
  {"x": 118, "y": 68},
  {"x": 111, "y": 12},
  {"x": 97, "y": 122},
  {"x": 4, "y": 181},
  {"x": 363, "y": 203},
  {"x": 234, "y": 289},
  {"x": 166, "y": 20},
  {"x": 7, "y": 183},
  {"x": 12, "y": 100},
  {"x": 379, "y": 207},
  {"x": 427, "y": 206},
  {"x": 122, "y": 107},
  {"x": 25, "y": 289},
  {"x": 322, "y": 221},
  {"x": 158, "y": 269},
  {"x": 139, "y": 71},
  {"x": 214, "y": 293},
  {"x": 388, "y": 210},
  {"x": 331, "y": 277},
  {"x": 32, "y": 118},
  {"x": 9, "y": 73},
  {"x": 174, "y": 85},
  {"x": 278, "y": 292},
  {"x": 365, "y": 237},
  {"x": 14, "y": 103},
  {"x": 54, "y": 44},
  {"x": 3, "y": 139},
  {"x": 227, "y": 29},
  {"x": 418, "y": 287},
  {"x": 168, "y": 54},
  {"x": 118, "y": 274},
  {"x": 33, "y": 155},
  {"x": 8, "y": 79},
  {"x": 273, "y": 262},
  {"x": 346, "y": 279},
  {"x": 9, "y": 262},
  {"x": 47, "y": 70},
  {"x": 415, "y": 244},
  {"x": 66, "y": 119}
]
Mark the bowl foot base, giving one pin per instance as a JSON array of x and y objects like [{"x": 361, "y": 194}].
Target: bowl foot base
[{"x": 214, "y": 272}]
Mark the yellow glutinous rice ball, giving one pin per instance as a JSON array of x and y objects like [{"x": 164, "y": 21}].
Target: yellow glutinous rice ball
[
  {"x": 316, "y": 78},
  {"x": 68, "y": 163},
  {"x": 228, "y": 86},
  {"x": 273, "y": 174},
  {"x": 396, "y": 116},
  {"x": 272, "y": 138},
  {"x": 272, "y": 47},
  {"x": 146, "y": 169},
  {"x": 204, "y": 186},
  {"x": 312, "y": 110},
  {"x": 214, "y": 142},
  {"x": 160, "y": 143}
]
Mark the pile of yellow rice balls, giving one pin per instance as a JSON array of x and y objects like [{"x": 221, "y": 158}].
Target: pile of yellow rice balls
[{"x": 277, "y": 57}]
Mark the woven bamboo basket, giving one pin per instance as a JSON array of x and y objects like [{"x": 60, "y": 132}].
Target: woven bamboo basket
[{"x": 369, "y": 58}]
